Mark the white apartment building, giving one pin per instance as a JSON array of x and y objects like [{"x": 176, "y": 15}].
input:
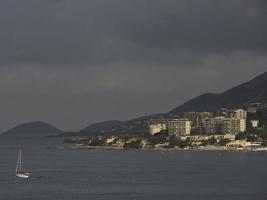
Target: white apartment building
[
  {"x": 197, "y": 118},
  {"x": 237, "y": 125},
  {"x": 238, "y": 113},
  {"x": 223, "y": 125},
  {"x": 179, "y": 127},
  {"x": 232, "y": 113},
  {"x": 254, "y": 123}
]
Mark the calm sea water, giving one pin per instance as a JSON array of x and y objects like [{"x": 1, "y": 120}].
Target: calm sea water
[{"x": 125, "y": 175}]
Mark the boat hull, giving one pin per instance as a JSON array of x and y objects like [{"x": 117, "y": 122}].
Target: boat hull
[{"x": 23, "y": 175}]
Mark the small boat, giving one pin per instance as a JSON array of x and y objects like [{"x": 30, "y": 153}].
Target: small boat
[{"x": 19, "y": 172}]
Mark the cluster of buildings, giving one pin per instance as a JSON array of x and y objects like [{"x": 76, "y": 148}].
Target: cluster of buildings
[
  {"x": 222, "y": 122},
  {"x": 196, "y": 130},
  {"x": 199, "y": 127},
  {"x": 225, "y": 121},
  {"x": 178, "y": 127}
]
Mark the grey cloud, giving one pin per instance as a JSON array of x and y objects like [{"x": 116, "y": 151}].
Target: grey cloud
[
  {"x": 74, "y": 62},
  {"x": 91, "y": 32}
]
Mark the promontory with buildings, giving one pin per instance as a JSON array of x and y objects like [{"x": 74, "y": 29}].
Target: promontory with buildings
[
  {"x": 233, "y": 120},
  {"x": 226, "y": 129}
]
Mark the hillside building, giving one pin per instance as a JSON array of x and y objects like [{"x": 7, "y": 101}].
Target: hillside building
[
  {"x": 237, "y": 113},
  {"x": 223, "y": 125},
  {"x": 232, "y": 113},
  {"x": 157, "y": 126},
  {"x": 254, "y": 123},
  {"x": 179, "y": 127},
  {"x": 197, "y": 118}
]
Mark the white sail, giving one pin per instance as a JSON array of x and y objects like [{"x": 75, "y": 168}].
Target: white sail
[
  {"x": 18, "y": 166},
  {"x": 19, "y": 172},
  {"x": 20, "y": 160}
]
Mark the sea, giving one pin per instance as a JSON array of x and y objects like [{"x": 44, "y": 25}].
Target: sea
[{"x": 66, "y": 174}]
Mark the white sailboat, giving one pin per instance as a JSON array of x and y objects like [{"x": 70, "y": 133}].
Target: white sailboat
[{"x": 19, "y": 172}]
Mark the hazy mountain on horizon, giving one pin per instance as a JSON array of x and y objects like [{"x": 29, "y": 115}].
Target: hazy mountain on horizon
[{"x": 36, "y": 128}]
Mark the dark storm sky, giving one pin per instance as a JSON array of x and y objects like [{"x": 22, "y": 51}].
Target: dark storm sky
[{"x": 71, "y": 63}]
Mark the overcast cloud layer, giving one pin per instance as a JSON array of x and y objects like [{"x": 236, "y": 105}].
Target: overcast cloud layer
[{"x": 71, "y": 63}]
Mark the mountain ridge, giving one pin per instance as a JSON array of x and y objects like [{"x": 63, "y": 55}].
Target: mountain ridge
[
  {"x": 238, "y": 96},
  {"x": 254, "y": 90}
]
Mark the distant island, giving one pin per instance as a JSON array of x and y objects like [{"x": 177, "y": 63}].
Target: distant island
[
  {"x": 33, "y": 129},
  {"x": 234, "y": 120}
]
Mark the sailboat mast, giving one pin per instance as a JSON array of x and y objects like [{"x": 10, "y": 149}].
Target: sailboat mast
[{"x": 20, "y": 160}]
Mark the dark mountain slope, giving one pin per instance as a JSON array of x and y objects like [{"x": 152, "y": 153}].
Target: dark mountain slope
[
  {"x": 252, "y": 91},
  {"x": 101, "y": 127}
]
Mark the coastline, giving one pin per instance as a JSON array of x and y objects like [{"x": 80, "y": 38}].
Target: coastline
[{"x": 211, "y": 149}]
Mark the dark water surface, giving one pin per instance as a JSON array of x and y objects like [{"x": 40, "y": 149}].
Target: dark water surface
[{"x": 125, "y": 175}]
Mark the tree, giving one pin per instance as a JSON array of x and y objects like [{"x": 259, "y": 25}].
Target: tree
[
  {"x": 98, "y": 141},
  {"x": 252, "y": 138},
  {"x": 179, "y": 143},
  {"x": 211, "y": 141},
  {"x": 241, "y": 136},
  {"x": 223, "y": 142},
  {"x": 262, "y": 133},
  {"x": 174, "y": 142},
  {"x": 133, "y": 145},
  {"x": 264, "y": 143},
  {"x": 157, "y": 138},
  {"x": 187, "y": 142}
]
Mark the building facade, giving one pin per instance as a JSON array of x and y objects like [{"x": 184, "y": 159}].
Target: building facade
[
  {"x": 236, "y": 125},
  {"x": 179, "y": 127},
  {"x": 197, "y": 118},
  {"x": 238, "y": 114},
  {"x": 157, "y": 126},
  {"x": 254, "y": 123},
  {"x": 223, "y": 125}
]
